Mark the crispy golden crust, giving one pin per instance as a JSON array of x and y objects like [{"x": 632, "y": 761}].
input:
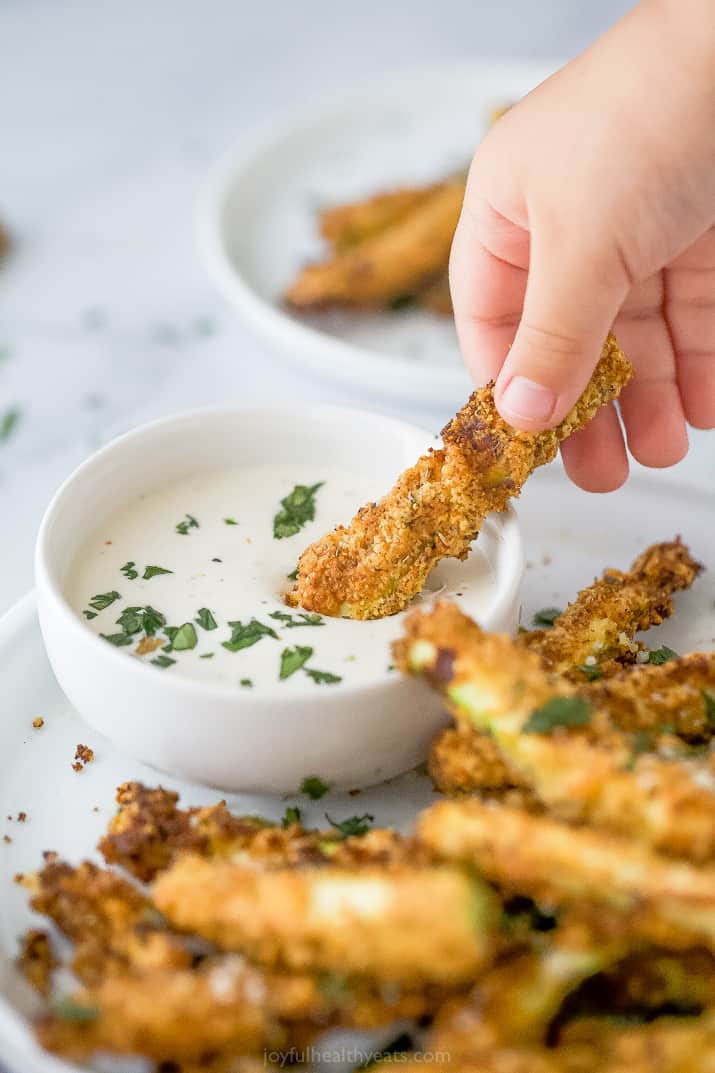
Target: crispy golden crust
[
  {"x": 36, "y": 961},
  {"x": 463, "y": 760},
  {"x": 349, "y": 224},
  {"x": 588, "y": 772},
  {"x": 389, "y": 264},
  {"x": 671, "y": 903},
  {"x": 669, "y": 1045},
  {"x": 603, "y": 619},
  {"x": 414, "y": 924},
  {"x": 112, "y": 925},
  {"x": 174, "y": 1015},
  {"x": 150, "y": 830},
  {"x": 673, "y": 694},
  {"x": 376, "y": 565}
]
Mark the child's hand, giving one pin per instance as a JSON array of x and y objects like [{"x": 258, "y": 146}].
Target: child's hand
[{"x": 599, "y": 188}]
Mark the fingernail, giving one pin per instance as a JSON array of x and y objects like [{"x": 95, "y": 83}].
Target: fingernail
[{"x": 525, "y": 400}]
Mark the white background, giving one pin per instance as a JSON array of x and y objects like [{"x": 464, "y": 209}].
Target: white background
[{"x": 110, "y": 114}]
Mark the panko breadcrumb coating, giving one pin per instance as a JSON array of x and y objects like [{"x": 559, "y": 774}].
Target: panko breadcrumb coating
[
  {"x": 36, "y": 960},
  {"x": 150, "y": 830},
  {"x": 577, "y": 763},
  {"x": 376, "y": 565},
  {"x": 416, "y": 923},
  {"x": 667, "y": 901},
  {"x": 351, "y": 223},
  {"x": 601, "y": 622},
  {"x": 389, "y": 264},
  {"x": 463, "y": 760}
]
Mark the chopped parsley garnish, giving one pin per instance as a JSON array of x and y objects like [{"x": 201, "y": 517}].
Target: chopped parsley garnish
[
  {"x": 154, "y": 571},
  {"x": 8, "y": 423},
  {"x": 661, "y": 655},
  {"x": 352, "y": 827},
  {"x": 207, "y": 655},
  {"x": 243, "y": 635},
  {"x": 189, "y": 522},
  {"x": 247, "y": 683},
  {"x": 547, "y": 616},
  {"x": 117, "y": 639},
  {"x": 135, "y": 619},
  {"x": 129, "y": 571},
  {"x": 181, "y": 638},
  {"x": 558, "y": 712},
  {"x": 205, "y": 619},
  {"x": 230, "y": 521},
  {"x": 89, "y": 614},
  {"x": 643, "y": 742},
  {"x": 292, "y": 659},
  {"x": 709, "y": 702},
  {"x": 291, "y": 815},
  {"x": 591, "y": 672},
  {"x": 68, "y": 1009},
  {"x": 322, "y": 678},
  {"x": 298, "y": 508},
  {"x": 293, "y": 576},
  {"x": 314, "y": 787},
  {"x": 302, "y": 619},
  {"x": 104, "y": 599},
  {"x": 163, "y": 661}
]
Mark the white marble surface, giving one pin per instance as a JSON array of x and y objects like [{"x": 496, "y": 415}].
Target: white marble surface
[{"x": 110, "y": 114}]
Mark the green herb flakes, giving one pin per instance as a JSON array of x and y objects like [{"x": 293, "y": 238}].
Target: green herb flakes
[
  {"x": 290, "y": 816},
  {"x": 117, "y": 639},
  {"x": 247, "y": 683},
  {"x": 314, "y": 787},
  {"x": 205, "y": 619},
  {"x": 135, "y": 619},
  {"x": 9, "y": 422},
  {"x": 352, "y": 827},
  {"x": 547, "y": 616},
  {"x": 104, "y": 599},
  {"x": 89, "y": 614},
  {"x": 291, "y": 622},
  {"x": 558, "y": 712},
  {"x": 129, "y": 570},
  {"x": 230, "y": 521},
  {"x": 293, "y": 576},
  {"x": 181, "y": 638},
  {"x": 322, "y": 678},
  {"x": 189, "y": 522},
  {"x": 401, "y": 302},
  {"x": 243, "y": 635},
  {"x": 154, "y": 571},
  {"x": 163, "y": 661},
  {"x": 207, "y": 655},
  {"x": 591, "y": 672},
  {"x": 661, "y": 655},
  {"x": 298, "y": 508},
  {"x": 292, "y": 659},
  {"x": 709, "y": 702}
]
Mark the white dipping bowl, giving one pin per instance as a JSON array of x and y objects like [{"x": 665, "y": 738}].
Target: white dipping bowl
[{"x": 351, "y": 735}]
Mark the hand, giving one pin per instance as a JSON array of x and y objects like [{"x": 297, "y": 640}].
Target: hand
[{"x": 591, "y": 204}]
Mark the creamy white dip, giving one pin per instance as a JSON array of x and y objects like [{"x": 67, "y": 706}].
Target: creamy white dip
[{"x": 214, "y": 532}]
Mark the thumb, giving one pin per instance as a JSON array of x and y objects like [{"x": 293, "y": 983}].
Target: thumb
[{"x": 572, "y": 298}]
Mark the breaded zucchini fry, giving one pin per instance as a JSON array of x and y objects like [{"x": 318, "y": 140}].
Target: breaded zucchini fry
[
  {"x": 112, "y": 924},
  {"x": 674, "y": 694},
  {"x": 349, "y": 224},
  {"x": 150, "y": 830},
  {"x": 376, "y": 565},
  {"x": 668, "y": 902},
  {"x": 413, "y": 924},
  {"x": 463, "y": 760},
  {"x": 668, "y": 1045},
  {"x": 174, "y": 1015},
  {"x": 601, "y": 622},
  {"x": 578, "y": 765},
  {"x": 392, "y": 263}
]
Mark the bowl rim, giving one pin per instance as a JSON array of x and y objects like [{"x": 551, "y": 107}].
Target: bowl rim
[
  {"x": 49, "y": 588},
  {"x": 269, "y": 319}
]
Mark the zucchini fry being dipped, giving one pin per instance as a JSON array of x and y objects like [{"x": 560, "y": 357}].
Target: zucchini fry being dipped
[
  {"x": 381, "y": 560},
  {"x": 577, "y": 763}
]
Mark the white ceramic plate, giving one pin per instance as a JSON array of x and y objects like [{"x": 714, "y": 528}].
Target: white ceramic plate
[
  {"x": 256, "y": 219},
  {"x": 570, "y": 536}
]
